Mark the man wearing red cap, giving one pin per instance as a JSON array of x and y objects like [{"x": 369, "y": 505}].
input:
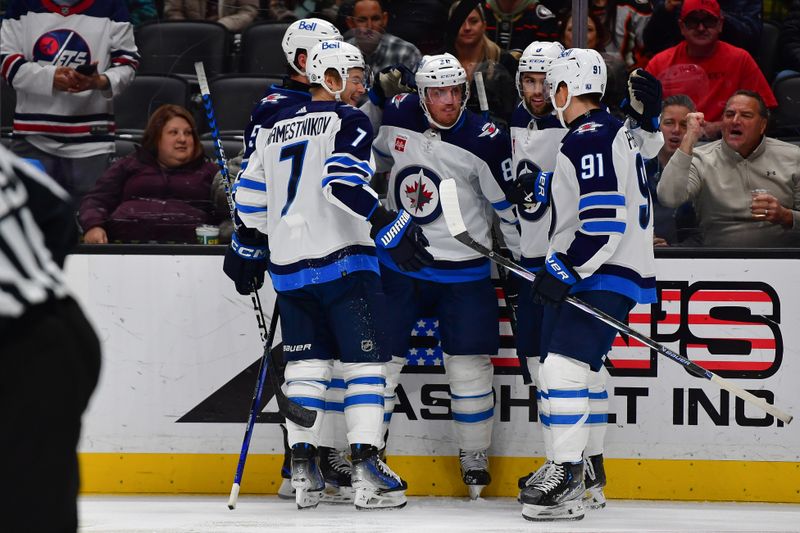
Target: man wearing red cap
[{"x": 705, "y": 68}]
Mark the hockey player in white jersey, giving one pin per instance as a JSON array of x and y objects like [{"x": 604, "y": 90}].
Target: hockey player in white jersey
[
  {"x": 246, "y": 258},
  {"x": 536, "y": 134},
  {"x": 313, "y": 162},
  {"x": 423, "y": 139},
  {"x": 600, "y": 250}
]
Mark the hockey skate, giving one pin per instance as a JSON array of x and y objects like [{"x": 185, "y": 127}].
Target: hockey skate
[
  {"x": 306, "y": 476},
  {"x": 376, "y": 486},
  {"x": 532, "y": 477},
  {"x": 557, "y": 496},
  {"x": 474, "y": 471},
  {"x": 336, "y": 470},
  {"x": 286, "y": 491},
  {"x": 595, "y": 480}
]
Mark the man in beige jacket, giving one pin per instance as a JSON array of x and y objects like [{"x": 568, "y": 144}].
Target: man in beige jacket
[
  {"x": 236, "y": 15},
  {"x": 746, "y": 186}
]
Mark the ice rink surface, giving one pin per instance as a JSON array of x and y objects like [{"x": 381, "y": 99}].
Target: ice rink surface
[{"x": 207, "y": 514}]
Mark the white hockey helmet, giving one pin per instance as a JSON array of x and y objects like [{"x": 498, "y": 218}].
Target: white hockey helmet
[
  {"x": 304, "y": 34},
  {"x": 442, "y": 70},
  {"x": 338, "y": 55},
  {"x": 537, "y": 58},
  {"x": 583, "y": 71}
]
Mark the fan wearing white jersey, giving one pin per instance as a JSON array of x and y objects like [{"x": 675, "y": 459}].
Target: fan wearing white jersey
[
  {"x": 314, "y": 161},
  {"x": 600, "y": 250},
  {"x": 536, "y": 134},
  {"x": 423, "y": 139}
]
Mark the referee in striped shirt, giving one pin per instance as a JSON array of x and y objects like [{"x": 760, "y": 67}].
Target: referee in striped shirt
[{"x": 49, "y": 354}]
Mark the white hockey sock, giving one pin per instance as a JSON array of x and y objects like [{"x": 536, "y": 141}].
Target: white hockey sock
[
  {"x": 306, "y": 382},
  {"x": 333, "y": 433},
  {"x": 472, "y": 402},
  {"x": 534, "y": 367},
  {"x": 565, "y": 387},
  {"x": 598, "y": 408},
  {"x": 363, "y": 402},
  {"x": 393, "y": 370}
]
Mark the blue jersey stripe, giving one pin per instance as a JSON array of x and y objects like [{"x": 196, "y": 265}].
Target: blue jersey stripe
[
  {"x": 352, "y": 178},
  {"x": 562, "y": 393},
  {"x": 323, "y": 274},
  {"x": 443, "y": 271},
  {"x": 344, "y": 160},
  {"x": 598, "y": 395},
  {"x": 501, "y": 205},
  {"x": 337, "y": 383},
  {"x": 363, "y": 399},
  {"x": 252, "y": 184},
  {"x": 597, "y": 419},
  {"x": 250, "y": 209},
  {"x": 367, "y": 380},
  {"x": 334, "y": 406},
  {"x": 603, "y": 226},
  {"x": 305, "y": 401},
  {"x": 457, "y": 397},
  {"x": 604, "y": 200},
  {"x": 473, "y": 417}
]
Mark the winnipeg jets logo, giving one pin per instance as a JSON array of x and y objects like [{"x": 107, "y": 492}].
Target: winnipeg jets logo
[
  {"x": 273, "y": 98},
  {"x": 62, "y": 47},
  {"x": 416, "y": 190},
  {"x": 589, "y": 126},
  {"x": 398, "y": 99},
  {"x": 489, "y": 129}
]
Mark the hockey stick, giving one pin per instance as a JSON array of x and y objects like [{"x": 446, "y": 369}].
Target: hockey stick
[
  {"x": 291, "y": 410},
  {"x": 448, "y": 196}
]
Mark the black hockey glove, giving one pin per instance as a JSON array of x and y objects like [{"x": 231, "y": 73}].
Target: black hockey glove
[
  {"x": 391, "y": 81},
  {"x": 522, "y": 190},
  {"x": 246, "y": 260},
  {"x": 643, "y": 103},
  {"x": 553, "y": 282},
  {"x": 398, "y": 234}
]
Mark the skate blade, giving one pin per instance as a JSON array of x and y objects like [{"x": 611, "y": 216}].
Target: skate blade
[
  {"x": 333, "y": 495},
  {"x": 367, "y": 500},
  {"x": 594, "y": 498},
  {"x": 307, "y": 499},
  {"x": 286, "y": 491},
  {"x": 570, "y": 510},
  {"x": 475, "y": 491}
]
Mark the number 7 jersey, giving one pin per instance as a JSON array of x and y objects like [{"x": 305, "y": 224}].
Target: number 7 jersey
[
  {"x": 307, "y": 187},
  {"x": 602, "y": 209}
]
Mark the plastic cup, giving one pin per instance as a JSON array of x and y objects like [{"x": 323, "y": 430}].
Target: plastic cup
[
  {"x": 753, "y": 194},
  {"x": 207, "y": 234}
]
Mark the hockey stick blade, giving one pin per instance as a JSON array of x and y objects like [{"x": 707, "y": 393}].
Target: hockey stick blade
[{"x": 448, "y": 196}]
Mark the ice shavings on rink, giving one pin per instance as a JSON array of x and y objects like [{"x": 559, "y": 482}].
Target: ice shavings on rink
[{"x": 209, "y": 514}]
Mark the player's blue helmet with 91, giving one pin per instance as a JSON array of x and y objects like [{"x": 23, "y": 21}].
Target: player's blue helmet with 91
[
  {"x": 337, "y": 55},
  {"x": 582, "y": 71},
  {"x": 303, "y": 35},
  {"x": 442, "y": 70}
]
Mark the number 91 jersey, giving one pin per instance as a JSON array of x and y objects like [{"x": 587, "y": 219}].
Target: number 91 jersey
[
  {"x": 473, "y": 152},
  {"x": 602, "y": 209}
]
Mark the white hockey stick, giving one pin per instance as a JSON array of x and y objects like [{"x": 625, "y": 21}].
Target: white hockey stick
[{"x": 448, "y": 196}]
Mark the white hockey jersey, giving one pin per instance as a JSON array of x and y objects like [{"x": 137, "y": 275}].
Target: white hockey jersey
[
  {"x": 476, "y": 154},
  {"x": 36, "y": 37},
  {"x": 307, "y": 188},
  {"x": 535, "y": 142},
  {"x": 602, "y": 220}
]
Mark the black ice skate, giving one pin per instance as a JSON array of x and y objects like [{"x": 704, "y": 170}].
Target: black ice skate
[
  {"x": 306, "y": 476},
  {"x": 532, "y": 477},
  {"x": 474, "y": 471},
  {"x": 336, "y": 470},
  {"x": 595, "y": 480},
  {"x": 557, "y": 496},
  {"x": 376, "y": 485},
  {"x": 286, "y": 491}
]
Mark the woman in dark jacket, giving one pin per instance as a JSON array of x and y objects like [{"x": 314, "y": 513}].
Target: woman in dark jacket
[{"x": 162, "y": 192}]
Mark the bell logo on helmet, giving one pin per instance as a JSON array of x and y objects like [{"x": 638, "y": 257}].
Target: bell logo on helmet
[
  {"x": 312, "y": 26},
  {"x": 328, "y": 45}
]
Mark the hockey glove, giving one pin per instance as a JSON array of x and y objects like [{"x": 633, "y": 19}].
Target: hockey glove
[
  {"x": 643, "y": 103},
  {"x": 391, "y": 81},
  {"x": 246, "y": 260},
  {"x": 553, "y": 282},
  {"x": 521, "y": 190},
  {"x": 401, "y": 237}
]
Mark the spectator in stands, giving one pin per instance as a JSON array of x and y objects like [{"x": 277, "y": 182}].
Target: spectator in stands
[
  {"x": 671, "y": 226},
  {"x": 367, "y": 26},
  {"x": 727, "y": 179},
  {"x": 419, "y": 22},
  {"x": 790, "y": 42},
  {"x": 477, "y": 53},
  {"x": 291, "y": 10},
  {"x": 705, "y": 68},
  {"x": 236, "y": 15},
  {"x": 741, "y": 27},
  {"x": 64, "y": 117},
  {"x": 162, "y": 192},
  {"x": 624, "y": 21},
  {"x": 142, "y": 11},
  {"x": 597, "y": 37},
  {"x": 514, "y": 24}
]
